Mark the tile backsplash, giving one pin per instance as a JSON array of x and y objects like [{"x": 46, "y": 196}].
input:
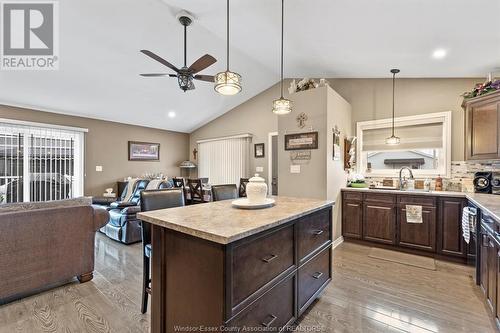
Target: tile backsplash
[{"x": 462, "y": 175}]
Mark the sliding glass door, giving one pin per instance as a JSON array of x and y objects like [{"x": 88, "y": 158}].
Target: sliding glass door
[{"x": 40, "y": 163}]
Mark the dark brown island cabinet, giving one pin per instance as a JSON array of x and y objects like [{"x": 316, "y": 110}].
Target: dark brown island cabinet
[
  {"x": 380, "y": 219},
  {"x": 263, "y": 282}
]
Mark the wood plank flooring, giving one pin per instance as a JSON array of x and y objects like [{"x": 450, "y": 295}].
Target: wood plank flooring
[{"x": 366, "y": 295}]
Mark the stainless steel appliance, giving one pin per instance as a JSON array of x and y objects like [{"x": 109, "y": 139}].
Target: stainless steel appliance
[{"x": 482, "y": 182}]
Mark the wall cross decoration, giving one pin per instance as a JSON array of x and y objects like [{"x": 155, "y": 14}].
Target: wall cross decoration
[{"x": 301, "y": 120}]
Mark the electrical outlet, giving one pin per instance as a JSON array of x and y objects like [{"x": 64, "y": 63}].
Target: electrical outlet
[{"x": 98, "y": 168}]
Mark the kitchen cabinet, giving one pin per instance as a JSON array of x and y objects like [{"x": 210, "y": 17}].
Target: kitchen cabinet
[
  {"x": 483, "y": 244},
  {"x": 379, "y": 219},
  {"x": 482, "y": 126},
  {"x": 352, "y": 215},
  {"x": 492, "y": 275},
  {"x": 450, "y": 240},
  {"x": 420, "y": 236}
]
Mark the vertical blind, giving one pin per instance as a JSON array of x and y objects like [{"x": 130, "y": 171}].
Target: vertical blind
[
  {"x": 39, "y": 163},
  {"x": 224, "y": 160}
]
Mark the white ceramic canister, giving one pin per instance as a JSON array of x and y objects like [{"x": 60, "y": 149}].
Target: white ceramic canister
[{"x": 256, "y": 189}]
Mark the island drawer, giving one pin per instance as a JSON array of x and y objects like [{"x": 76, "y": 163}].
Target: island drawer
[
  {"x": 259, "y": 261},
  {"x": 313, "y": 231},
  {"x": 274, "y": 310},
  {"x": 312, "y": 277}
]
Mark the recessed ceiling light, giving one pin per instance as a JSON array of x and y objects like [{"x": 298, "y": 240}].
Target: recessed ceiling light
[
  {"x": 171, "y": 114},
  {"x": 439, "y": 53}
]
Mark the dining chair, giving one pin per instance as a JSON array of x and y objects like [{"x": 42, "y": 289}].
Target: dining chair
[
  {"x": 243, "y": 187},
  {"x": 178, "y": 182},
  {"x": 153, "y": 200},
  {"x": 224, "y": 192},
  {"x": 195, "y": 189}
]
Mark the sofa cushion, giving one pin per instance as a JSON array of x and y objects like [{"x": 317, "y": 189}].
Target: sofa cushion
[{"x": 23, "y": 206}]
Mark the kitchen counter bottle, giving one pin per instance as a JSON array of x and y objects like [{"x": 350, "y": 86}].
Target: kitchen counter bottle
[{"x": 439, "y": 183}]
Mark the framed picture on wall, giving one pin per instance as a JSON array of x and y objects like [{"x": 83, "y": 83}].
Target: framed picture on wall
[
  {"x": 336, "y": 144},
  {"x": 300, "y": 141},
  {"x": 259, "y": 150},
  {"x": 143, "y": 151}
]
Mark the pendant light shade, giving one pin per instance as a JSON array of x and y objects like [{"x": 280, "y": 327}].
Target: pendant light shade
[
  {"x": 282, "y": 105},
  {"x": 227, "y": 83},
  {"x": 393, "y": 139}
]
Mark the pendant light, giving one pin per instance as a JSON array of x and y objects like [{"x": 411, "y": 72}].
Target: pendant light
[
  {"x": 282, "y": 105},
  {"x": 393, "y": 140},
  {"x": 227, "y": 83}
]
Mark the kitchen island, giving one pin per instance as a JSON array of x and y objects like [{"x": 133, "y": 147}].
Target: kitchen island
[{"x": 218, "y": 268}]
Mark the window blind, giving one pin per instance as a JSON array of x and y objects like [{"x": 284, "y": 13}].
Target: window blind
[
  {"x": 39, "y": 163},
  {"x": 224, "y": 160},
  {"x": 421, "y": 136}
]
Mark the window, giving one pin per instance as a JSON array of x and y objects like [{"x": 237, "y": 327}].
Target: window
[
  {"x": 425, "y": 146},
  {"x": 224, "y": 160},
  {"x": 39, "y": 163}
]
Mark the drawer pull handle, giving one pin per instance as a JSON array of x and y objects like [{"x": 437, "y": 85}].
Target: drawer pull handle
[
  {"x": 318, "y": 232},
  {"x": 270, "y": 258},
  {"x": 317, "y": 275},
  {"x": 273, "y": 318}
]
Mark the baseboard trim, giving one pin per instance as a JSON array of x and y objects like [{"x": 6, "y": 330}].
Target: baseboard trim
[{"x": 337, "y": 242}]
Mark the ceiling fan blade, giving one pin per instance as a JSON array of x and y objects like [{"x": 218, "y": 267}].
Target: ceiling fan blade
[
  {"x": 157, "y": 75},
  {"x": 160, "y": 60},
  {"x": 202, "y": 63},
  {"x": 208, "y": 78}
]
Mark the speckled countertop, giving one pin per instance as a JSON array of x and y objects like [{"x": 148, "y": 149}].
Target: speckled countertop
[
  {"x": 221, "y": 223},
  {"x": 488, "y": 203}
]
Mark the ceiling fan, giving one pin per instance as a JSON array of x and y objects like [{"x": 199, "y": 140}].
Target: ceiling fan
[{"x": 185, "y": 75}]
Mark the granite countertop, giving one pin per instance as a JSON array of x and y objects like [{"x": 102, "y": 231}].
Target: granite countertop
[
  {"x": 221, "y": 223},
  {"x": 488, "y": 203}
]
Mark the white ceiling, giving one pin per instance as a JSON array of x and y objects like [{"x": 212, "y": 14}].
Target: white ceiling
[{"x": 100, "y": 60}]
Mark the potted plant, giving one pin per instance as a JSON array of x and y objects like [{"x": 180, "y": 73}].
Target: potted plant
[{"x": 356, "y": 180}]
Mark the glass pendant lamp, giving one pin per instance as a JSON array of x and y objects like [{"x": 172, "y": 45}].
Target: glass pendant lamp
[
  {"x": 393, "y": 139},
  {"x": 227, "y": 83},
  {"x": 282, "y": 105}
]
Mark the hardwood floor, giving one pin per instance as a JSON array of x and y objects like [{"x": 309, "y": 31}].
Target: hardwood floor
[{"x": 366, "y": 295}]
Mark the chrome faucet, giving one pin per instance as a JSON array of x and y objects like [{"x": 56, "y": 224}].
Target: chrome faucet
[{"x": 402, "y": 180}]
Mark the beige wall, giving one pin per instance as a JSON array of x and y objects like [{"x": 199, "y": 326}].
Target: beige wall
[
  {"x": 107, "y": 145},
  {"x": 311, "y": 181},
  {"x": 370, "y": 99},
  {"x": 254, "y": 117}
]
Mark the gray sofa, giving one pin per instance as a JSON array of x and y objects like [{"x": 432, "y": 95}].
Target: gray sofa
[{"x": 46, "y": 243}]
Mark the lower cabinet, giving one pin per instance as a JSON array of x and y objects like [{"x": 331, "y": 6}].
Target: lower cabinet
[
  {"x": 352, "y": 218},
  {"x": 420, "y": 236},
  {"x": 378, "y": 217},
  {"x": 484, "y": 241},
  {"x": 450, "y": 240},
  {"x": 379, "y": 222},
  {"x": 492, "y": 275}
]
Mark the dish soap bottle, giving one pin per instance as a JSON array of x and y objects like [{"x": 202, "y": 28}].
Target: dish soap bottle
[{"x": 427, "y": 185}]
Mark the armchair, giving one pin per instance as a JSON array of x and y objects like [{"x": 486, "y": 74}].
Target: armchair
[{"x": 123, "y": 225}]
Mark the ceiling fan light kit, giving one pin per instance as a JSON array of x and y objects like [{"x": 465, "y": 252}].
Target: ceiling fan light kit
[
  {"x": 185, "y": 75},
  {"x": 227, "y": 83},
  {"x": 282, "y": 105},
  {"x": 393, "y": 139}
]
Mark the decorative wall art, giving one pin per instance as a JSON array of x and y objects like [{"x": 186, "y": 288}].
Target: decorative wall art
[
  {"x": 301, "y": 120},
  {"x": 299, "y": 156},
  {"x": 301, "y": 141},
  {"x": 143, "y": 151},
  {"x": 259, "y": 150},
  {"x": 336, "y": 144}
]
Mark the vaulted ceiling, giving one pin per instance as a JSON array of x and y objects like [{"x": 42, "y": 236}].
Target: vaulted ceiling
[{"x": 100, "y": 60}]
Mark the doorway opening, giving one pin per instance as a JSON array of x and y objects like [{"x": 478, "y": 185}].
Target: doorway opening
[{"x": 273, "y": 163}]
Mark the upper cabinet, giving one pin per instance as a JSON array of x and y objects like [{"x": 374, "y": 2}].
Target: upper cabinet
[{"x": 482, "y": 127}]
